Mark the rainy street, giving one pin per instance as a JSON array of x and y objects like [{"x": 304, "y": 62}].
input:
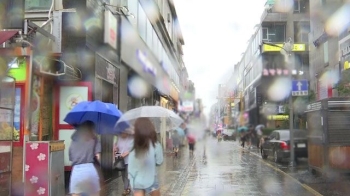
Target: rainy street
[
  {"x": 220, "y": 168},
  {"x": 153, "y": 97}
]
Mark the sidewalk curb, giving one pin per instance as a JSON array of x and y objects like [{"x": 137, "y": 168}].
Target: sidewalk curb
[{"x": 308, "y": 188}]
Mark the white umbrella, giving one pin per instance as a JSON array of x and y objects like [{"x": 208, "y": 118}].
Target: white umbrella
[
  {"x": 155, "y": 113},
  {"x": 259, "y": 127}
]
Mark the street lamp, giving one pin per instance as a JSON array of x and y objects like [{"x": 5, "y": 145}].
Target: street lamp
[{"x": 287, "y": 51}]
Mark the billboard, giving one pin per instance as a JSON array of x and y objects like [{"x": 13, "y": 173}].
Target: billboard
[{"x": 186, "y": 106}]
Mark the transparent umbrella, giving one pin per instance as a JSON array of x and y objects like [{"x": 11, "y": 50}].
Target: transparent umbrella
[{"x": 157, "y": 114}]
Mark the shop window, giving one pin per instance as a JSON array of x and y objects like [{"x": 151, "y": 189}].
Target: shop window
[
  {"x": 273, "y": 61},
  {"x": 38, "y": 4}
]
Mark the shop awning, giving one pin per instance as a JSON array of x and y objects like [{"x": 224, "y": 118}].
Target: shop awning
[{"x": 6, "y": 35}]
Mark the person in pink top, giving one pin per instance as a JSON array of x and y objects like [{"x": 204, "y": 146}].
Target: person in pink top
[{"x": 191, "y": 142}]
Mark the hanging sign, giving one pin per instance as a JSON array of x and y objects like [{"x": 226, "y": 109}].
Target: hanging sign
[{"x": 110, "y": 36}]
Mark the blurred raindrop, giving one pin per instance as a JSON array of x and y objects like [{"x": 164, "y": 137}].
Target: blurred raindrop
[
  {"x": 270, "y": 185},
  {"x": 137, "y": 87},
  {"x": 329, "y": 78},
  {"x": 92, "y": 23},
  {"x": 338, "y": 156},
  {"x": 280, "y": 89},
  {"x": 284, "y": 6},
  {"x": 339, "y": 21}
]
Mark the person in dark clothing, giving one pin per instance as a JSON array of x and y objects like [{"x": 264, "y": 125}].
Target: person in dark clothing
[{"x": 251, "y": 135}]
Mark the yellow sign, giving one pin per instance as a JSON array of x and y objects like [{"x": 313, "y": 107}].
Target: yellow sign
[
  {"x": 277, "y": 117},
  {"x": 232, "y": 104},
  {"x": 278, "y": 47},
  {"x": 346, "y": 65}
]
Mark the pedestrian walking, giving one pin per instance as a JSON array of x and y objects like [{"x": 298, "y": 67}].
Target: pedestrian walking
[
  {"x": 191, "y": 143},
  {"x": 84, "y": 148},
  {"x": 259, "y": 134},
  {"x": 176, "y": 138},
  {"x": 146, "y": 154},
  {"x": 122, "y": 149},
  {"x": 251, "y": 136}
]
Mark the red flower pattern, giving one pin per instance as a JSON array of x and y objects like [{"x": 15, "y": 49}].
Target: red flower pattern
[{"x": 37, "y": 169}]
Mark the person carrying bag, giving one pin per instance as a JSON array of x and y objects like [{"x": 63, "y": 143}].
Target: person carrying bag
[{"x": 122, "y": 149}]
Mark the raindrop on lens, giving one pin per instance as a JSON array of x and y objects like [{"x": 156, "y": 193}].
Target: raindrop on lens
[
  {"x": 279, "y": 89},
  {"x": 137, "y": 87}
]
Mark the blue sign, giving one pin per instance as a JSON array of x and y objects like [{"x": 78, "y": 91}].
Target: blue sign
[{"x": 300, "y": 88}]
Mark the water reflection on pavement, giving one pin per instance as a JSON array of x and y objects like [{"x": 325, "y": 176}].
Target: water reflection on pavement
[
  {"x": 222, "y": 168},
  {"x": 219, "y": 169}
]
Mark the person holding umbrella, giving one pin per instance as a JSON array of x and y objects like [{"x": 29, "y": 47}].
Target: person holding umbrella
[
  {"x": 145, "y": 156},
  {"x": 84, "y": 148},
  {"x": 89, "y": 118},
  {"x": 122, "y": 149}
]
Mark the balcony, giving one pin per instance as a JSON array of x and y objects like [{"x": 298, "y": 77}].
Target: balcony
[{"x": 270, "y": 13}]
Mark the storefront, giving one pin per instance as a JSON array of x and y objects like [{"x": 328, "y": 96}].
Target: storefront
[
  {"x": 13, "y": 118},
  {"x": 344, "y": 50},
  {"x": 174, "y": 94},
  {"x": 138, "y": 56}
]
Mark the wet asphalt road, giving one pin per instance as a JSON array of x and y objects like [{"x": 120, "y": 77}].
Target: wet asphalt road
[{"x": 218, "y": 169}]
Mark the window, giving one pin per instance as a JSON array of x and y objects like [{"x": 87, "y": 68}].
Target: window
[
  {"x": 273, "y": 61},
  {"x": 301, "y": 6},
  {"x": 274, "y": 33},
  {"x": 302, "y": 62},
  {"x": 38, "y": 4},
  {"x": 325, "y": 53},
  {"x": 149, "y": 35},
  {"x": 301, "y": 32},
  {"x": 265, "y": 32},
  {"x": 132, "y": 6},
  {"x": 142, "y": 23}
]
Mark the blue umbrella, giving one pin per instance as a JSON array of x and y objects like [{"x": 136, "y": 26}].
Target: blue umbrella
[
  {"x": 243, "y": 128},
  {"x": 103, "y": 115}
]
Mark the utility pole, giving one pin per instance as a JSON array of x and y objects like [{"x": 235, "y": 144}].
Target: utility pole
[{"x": 287, "y": 48}]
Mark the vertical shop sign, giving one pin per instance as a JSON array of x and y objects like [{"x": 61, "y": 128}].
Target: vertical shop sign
[
  {"x": 110, "y": 36},
  {"x": 36, "y": 165}
]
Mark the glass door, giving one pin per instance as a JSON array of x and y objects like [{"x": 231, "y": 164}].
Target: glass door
[{"x": 7, "y": 105}]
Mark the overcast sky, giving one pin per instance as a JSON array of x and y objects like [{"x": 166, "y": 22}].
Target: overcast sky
[{"x": 215, "y": 34}]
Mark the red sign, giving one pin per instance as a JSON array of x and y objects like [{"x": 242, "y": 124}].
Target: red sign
[{"x": 37, "y": 169}]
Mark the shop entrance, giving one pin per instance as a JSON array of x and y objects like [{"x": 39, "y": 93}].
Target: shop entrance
[{"x": 106, "y": 95}]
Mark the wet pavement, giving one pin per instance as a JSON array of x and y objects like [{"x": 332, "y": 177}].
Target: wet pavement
[
  {"x": 335, "y": 184},
  {"x": 220, "y": 168}
]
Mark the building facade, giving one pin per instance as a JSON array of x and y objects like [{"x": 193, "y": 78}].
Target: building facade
[
  {"x": 264, "y": 64},
  {"x": 324, "y": 49},
  {"x": 70, "y": 51}
]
